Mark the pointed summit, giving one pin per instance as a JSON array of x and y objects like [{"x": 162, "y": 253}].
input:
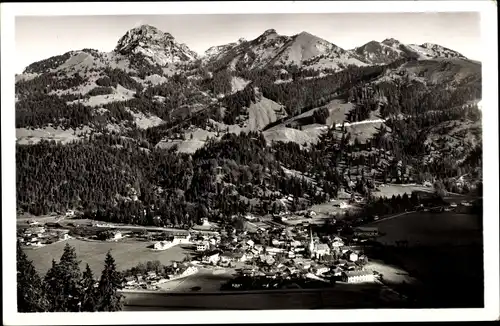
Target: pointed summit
[
  {"x": 161, "y": 48},
  {"x": 269, "y": 31},
  {"x": 268, "y": 34},
  {"x": 391, "y": 42}
]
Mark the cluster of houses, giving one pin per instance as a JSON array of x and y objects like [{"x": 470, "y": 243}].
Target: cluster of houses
[
  {"x": 278, "y": 252},
  {"x": 37, "y": 235},
  {"x": 152, "y": 280},
  {"x": 287, "y": 257}
]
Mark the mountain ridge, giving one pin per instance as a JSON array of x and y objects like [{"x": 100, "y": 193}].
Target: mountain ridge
[{"x": 162, "y": 48}]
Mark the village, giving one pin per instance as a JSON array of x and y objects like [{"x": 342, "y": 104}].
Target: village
[
  {"x": 299, "y": 250},
  {"x": 287, "y": 253}
]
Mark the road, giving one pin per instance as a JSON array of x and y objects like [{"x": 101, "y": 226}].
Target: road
[{"x": 390, "y": 217}]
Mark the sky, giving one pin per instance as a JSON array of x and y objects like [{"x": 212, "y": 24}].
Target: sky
[{"x": 40, "y": 37}]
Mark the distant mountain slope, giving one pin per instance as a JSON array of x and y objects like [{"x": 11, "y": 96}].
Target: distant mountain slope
[
  {"x": 152, "y": 81},
  {"x": 272, "y": 49},
  {"x": 390, "y": 50}
]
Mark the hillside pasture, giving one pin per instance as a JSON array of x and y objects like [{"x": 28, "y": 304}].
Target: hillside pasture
[
  {"x": 26, "y": 136},
  {"x": 388, "y": 190}
]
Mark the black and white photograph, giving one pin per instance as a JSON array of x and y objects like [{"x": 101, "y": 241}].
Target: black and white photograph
[{"x": 299, "y": 162}]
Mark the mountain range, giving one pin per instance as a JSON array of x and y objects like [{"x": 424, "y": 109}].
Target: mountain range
[
  {"x": 278, "y": 115},
  {"x": 304, "y": 50}
]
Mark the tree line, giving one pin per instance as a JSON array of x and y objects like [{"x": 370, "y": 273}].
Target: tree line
[{"x": 65, "y": 288}]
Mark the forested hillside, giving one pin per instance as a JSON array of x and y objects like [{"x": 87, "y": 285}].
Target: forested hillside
[{"x": 167, "y": 139}]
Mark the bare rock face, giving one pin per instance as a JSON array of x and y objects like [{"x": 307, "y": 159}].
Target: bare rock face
[{"x": 161, "y": 48}]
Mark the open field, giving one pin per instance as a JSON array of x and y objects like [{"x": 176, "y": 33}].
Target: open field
[
  {"x": 127, "y": 254},
  {"x": 26, "y": 136},
  {"x": 388, "y": 190}
]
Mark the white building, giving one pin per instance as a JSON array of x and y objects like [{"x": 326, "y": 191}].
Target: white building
[
  {"x": 353, "y": 256},
  {"x": 344, "y": 205},
  {"x": 189, "y": 271},
  {"x": 204, "y": 222},
  {"x": 276, "y": 242},
  {"x": 64, "y": 236},
  {"x": 337, "y": 244},
  {"x": 259, "y": 248},
  {"x": 163, "y": 245},
  {"x": 202, "y": 246},
  {"x": 250, "y": 243},
  {"x": 358, "y": 276},
  {"x": 320, "y": 250},
  {"x": 322, "y": 270},
  {"x": 182, "y": 239},
  {"x": 211, "y": 259}
]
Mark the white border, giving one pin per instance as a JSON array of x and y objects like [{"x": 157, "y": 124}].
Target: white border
[{"x": 490, "y": 128}]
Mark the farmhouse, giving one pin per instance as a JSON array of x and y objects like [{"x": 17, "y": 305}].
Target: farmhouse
[
  {"x": 163, "y": 245},
  {"x": 358, "y": 276},
  {"x": 116, "y": 235}
]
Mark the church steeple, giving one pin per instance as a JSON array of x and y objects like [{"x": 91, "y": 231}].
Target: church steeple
[{"x": 311, "y": 242}]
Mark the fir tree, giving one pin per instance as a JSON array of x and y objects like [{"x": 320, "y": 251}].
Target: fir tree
[
  {"x": 89, "y": 291},
  {"x": 109, "y": 284},
  {"x": 30, "y": 293},
  {"x": 63, "y": 282}
]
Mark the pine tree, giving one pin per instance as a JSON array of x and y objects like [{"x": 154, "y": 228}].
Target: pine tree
[
  {"x": 109, "y": 284},
  {"x": 63, "y": 282},
  {"x": 89, "y": 291},
  {"x": 30, "y": 293}
]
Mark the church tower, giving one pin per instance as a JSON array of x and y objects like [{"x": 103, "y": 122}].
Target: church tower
[{"x": 311, "y": 243}]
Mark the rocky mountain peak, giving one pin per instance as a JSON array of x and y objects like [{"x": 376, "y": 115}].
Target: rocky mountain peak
[
  {"x": 160, "y": 47},
  {"x": 391, "y": 42},
  {"x": 269, "y": 32}
]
